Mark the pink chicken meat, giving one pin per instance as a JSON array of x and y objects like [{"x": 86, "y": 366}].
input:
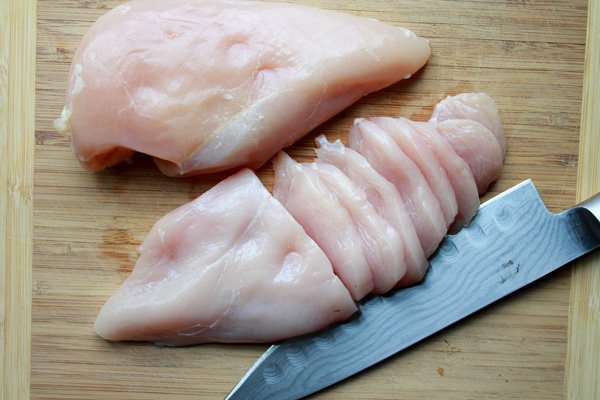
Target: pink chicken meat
[
  {"x": 209, "y": 85},
  {"x": 231, "y": 266},
  {"x": 366, "y": 251},
  {"x": 240, "y": 265},
  {"x": 383, "y": 196},
  {"x": 423, "y": 178}
]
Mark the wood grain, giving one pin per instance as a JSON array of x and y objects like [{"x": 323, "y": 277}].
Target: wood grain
[
  {"x": 582, "y": 370},
  {"x": 528, "y": 55},
  {"x": 17, "y": 116}
]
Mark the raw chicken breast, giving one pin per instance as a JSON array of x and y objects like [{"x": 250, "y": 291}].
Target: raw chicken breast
[
  {"x": 302, "y": 192},
  {"x": 235, "y": 266},
  {"x": 230, "y": 266},
  {"x": 457, "y": 171},
  {"x": 384, "y": 198},
  {"x": 420, "y": 177},
  {"x": 478, "y": 107},
  {"x": 205, "y": 86},
  {"x": 475, "y": 144},
  {"x": 393, "y": 164},
  {"x": 381, "y": 243},
  {"x": 408, "y": 138},
  {"x": 365, "y": 250}
]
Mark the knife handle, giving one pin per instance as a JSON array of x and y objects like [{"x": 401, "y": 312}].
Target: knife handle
[
  {"x": 592, "y": 216},
  {"x": 592, "y": 205}
]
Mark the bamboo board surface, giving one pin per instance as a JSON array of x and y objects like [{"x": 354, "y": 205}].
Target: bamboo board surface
[
  {"x": 528, "y": 55},
  {"x": 582, "y": 378},
  {"x": 17, "y": 78}
]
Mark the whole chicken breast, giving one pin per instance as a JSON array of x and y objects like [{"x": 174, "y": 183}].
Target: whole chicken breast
[{"x": 208, "y": 85}]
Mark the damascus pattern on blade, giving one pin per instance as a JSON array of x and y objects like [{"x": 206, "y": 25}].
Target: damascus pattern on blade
[{"x": 513, "y": 241}]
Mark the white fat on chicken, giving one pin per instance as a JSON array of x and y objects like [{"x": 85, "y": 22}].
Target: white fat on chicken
[{"x": 230, "y": 266}]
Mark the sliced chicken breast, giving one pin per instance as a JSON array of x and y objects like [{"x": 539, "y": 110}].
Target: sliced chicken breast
[
  {"x": 457, "y": 171},
  {"x": 475, "y": 144},
  {"x": 392, "y": 163},
  {"x": 408, "y": 137},
  {"x": 230, "y": 266},
  {"x": 382, "y": 246},
  {"x": 311, "y": 202},
  {"x": 385, "y": 199},
  {"x": 478, "y": 107}
]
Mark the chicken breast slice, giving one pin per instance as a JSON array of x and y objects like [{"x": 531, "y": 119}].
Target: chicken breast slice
[
  {"x": 478, "y": 146},
  {"x": 478, "y": 107},
  {"x": 230, "y": 266},
  {"x": 408, "y": 138},
  {"x": 382, "y": 246},
  {"x": 385, "y": 199},
  {"x": 393, "y": 164},
  {"x": 205, "y": 86},
  {"x": 308, "y": 199},
  {"x": 457, "y": 171}
]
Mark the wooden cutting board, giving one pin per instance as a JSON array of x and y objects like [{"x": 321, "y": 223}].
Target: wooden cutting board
[{"x": 528, "y": 55}]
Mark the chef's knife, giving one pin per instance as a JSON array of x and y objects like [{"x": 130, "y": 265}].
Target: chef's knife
[{"x": 513, "y": 241}]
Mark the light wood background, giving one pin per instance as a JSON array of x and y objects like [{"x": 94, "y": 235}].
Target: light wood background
[
  {"x": 17, "y": 98},
  {"x": 528, "y": 55},
  {"x": 582, "y": 378}
]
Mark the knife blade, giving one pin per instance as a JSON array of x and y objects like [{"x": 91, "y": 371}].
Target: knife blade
[{"x": 512, "y": 241}]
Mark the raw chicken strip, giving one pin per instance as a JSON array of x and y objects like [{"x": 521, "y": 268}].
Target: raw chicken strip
[
  {"x": 475, "y": 144},
  {"x": 408, "y": 138},
  {"x": 318, "y": 210},
  {"x": 205, "y": 86},
  {"x": 421, "y": 177},
  {"x": 297, "y": 187},
  {"x": 392, "y": 163},
  {"x": 457, "y": 171},
  {"x": 384, "y": 198},
  {"x": 478, "y": 107},
  {"x": 230, "y": 266},
  {"x": 382, "y": 246}
]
